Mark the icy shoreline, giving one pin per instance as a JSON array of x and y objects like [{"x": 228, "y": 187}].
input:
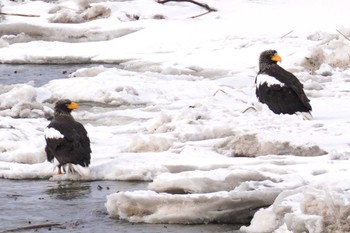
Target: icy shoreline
[{"x": 174, "y": 110}]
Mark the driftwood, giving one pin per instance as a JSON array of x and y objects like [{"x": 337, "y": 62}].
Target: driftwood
[
  {"x": 34, "y": 227},
  {"x": 14, "y": 14},
  {"x": 205, "y": 6}
]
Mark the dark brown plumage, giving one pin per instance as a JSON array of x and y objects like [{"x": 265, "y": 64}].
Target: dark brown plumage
[
  {"x": 279, "y": 89},
  {"x": 67, "y": 139}
]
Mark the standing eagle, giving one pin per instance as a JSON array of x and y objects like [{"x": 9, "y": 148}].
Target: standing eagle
[
  {"x": 279, "y": 89},
  {"x": 67, "y": 139}
]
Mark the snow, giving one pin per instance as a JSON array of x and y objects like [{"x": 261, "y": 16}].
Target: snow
[{"x": 175, "y": 107}]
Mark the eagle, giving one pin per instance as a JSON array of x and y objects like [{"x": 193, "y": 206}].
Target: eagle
[
  {"x": 66, "y": 139},
  {"x": 279, "y": 89}
]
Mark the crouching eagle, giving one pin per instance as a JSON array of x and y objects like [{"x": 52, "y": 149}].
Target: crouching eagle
[
  {"x": 67, "y": 139},
  {"x": 279, "y": 89}
]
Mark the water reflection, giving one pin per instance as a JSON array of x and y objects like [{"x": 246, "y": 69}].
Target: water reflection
[{"x": 68, "y": 190}]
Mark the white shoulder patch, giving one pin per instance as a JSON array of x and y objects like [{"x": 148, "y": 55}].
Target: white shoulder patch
[
  {"x": 269, "y": 80},
  {"x": 52, "y": 133}
]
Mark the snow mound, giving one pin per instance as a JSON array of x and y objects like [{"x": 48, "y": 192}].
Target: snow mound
[
  {"x": 26, "y": 155},
  {"x": 160, "y": 124},
  {"x": 19, "y": 101},
  {"x": 26, "y": 171},
  {"x": 314, "y": 60},
  {"x": 249, "y": 145},
  {"x": 3, "y": 43},
  {"x": 89, "y": 72},
  {"x": 219, "y": 207},
  {"x": 333, "y": 51},
  {"x": 143, "y": 143},
  {"x": 22, "y": 143},
  {"x": 312, "y": 208},
  {"x": 68, "y": 15},
  {"x": 13, "y": 94},
  {"x": 204, "y": 181},
  {"x": 123, "y": 87},
  {"x": 23, "y": 32}
]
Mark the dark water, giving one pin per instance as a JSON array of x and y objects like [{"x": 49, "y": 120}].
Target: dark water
[
  {"x": 66, "y": 206},
  {"x": 39, "y": 74},
  {"x": 74, "y": 206}
]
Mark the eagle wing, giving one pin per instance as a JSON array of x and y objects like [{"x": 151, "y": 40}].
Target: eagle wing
[
  {"x": 73, "y": 147},
  {"x": 290, "y": 81}
]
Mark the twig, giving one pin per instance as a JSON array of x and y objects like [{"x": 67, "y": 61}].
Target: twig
[
  {"x": 287, "y": 34},
  {"x": 219, "y": 90},
  {"x": 34, "y": 227},
  {"x": 343, "y": 35},
  {"x": 247, "y": 109},
  {"x": 196, "y": 16},
  {"x": 14, "y": 14},
  {"x": 205, "y": 6}
]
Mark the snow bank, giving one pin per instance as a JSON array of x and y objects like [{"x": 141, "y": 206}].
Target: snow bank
[
  {"x": 42, "y": 170},
  {"x": 249, "y": 145},
  {"x": 147, "y": 144},
  {"x": 205, "y": 181},
  {"x": 303, "y": 205},
  {"x": 30, "y": 155},
  {"x": 68, "y": 15},
  {"x": 332, "y": 52},
  {"x": 313, "y": 208},
  {"x": 221, "y": 207},
  {"x": 15, "y": 145},
  {"x": 20, "y": 101}
]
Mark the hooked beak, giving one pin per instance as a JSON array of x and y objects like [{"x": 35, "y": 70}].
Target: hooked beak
[
  {"x": 276, "y": 58},
  {"x": 72, "y": 105}
]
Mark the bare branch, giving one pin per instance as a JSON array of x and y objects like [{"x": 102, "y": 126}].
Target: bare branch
[
  {"x": 219, "y": 90},
  {"x": 249, "y": 108},
  {"x": 205, "y": 6},
  {"x": 14, "y": 14},
  {"x": 196, "y": 16},
  {"x": 34, "y": 227},
  {"x": 287, "y": 34},
  {"x": 343, "y": 35}
]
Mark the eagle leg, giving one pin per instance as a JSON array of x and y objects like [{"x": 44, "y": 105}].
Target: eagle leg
[{"x": 59, "y": 172}]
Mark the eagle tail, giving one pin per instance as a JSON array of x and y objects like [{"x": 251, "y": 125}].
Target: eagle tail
[{"x": 305, "y": 115}]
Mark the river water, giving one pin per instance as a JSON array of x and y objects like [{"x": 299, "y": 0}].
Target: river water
[
  {"x": 69, "y": 206},
  {"x": 72, "y": 206},
  {"x": 39, "y": 74}
]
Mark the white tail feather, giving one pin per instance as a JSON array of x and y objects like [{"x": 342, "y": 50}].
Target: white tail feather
[
  {"x": 83, "y": 171},
  {"x": 305, "y": 115}
]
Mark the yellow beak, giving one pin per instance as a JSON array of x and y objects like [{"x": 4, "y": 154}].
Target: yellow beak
[
  {"x": 276, "y": 58},
  {"x": 73, "y": 105}
]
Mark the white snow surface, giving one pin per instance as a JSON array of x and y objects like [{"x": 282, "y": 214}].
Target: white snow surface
[{"x": 180, "y": 109}]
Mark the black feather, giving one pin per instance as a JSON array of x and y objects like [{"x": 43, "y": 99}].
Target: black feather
[
  {"x": 289, "y": 96},
  {"x": 74, "y": 146}
]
